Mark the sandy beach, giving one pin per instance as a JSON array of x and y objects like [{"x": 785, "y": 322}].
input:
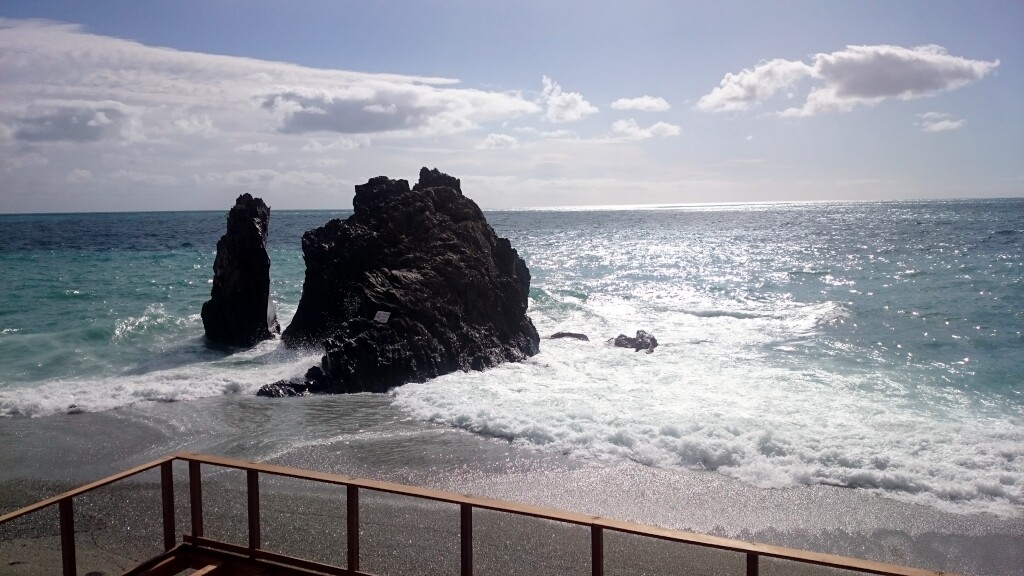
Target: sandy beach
[
  {"x": 120, "y": 525},
  {"x": 399, "y": 536}
]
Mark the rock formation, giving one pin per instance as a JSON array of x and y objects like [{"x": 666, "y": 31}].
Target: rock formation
[
  {"x": 572, "y": 335},
  {"x": 413, "y": 285},
  {"x": 240, "y": 311},
  {"x": 643, "y": 341}
]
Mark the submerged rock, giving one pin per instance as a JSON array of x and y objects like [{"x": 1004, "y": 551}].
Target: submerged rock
[
  {"x": 240, "y": 311},
  {"x": 643, "y": 341},
  {"x": 413, "y": 285},
  {"x": 572, "y": 335},
  {"x": 313, "y": 382}
]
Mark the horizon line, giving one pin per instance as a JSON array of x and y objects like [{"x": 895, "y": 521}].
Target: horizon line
[{"x": 573, "y": 208}]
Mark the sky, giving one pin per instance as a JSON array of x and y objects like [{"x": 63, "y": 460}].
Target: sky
[{"x": 185, "y": 104}]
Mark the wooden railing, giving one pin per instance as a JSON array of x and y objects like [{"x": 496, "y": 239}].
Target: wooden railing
[{"x": 597, "y": 525}]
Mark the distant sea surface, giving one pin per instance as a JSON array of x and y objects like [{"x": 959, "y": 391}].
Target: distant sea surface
[{"x": 875, "y": 346}]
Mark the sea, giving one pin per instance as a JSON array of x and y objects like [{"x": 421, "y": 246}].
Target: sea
[{"x": 873, "y": 346}]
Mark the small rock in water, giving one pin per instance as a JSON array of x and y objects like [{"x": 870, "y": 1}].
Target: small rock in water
[
  {"x": 280, "y": 389},
  {"x": 314, "y": 381},
  {"x": 572, "y": 335},
  {"x": 643, "y": 341}
]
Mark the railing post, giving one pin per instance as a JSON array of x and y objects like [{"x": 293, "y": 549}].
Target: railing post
[
  {"x": 352, "y": 510},
  {"x": 195, "y": 493},
  {"x": 67, "y": 537},
  {"x": 253, "y": 481},
  {"x": 167, "y": 494},
  {"x": 597, "y": 551},
  {"x": 466, "y": 538},
  {"x": 752, "y": 567}
]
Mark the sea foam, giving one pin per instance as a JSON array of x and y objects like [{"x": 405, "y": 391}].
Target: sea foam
[
  {"x": 728, "y": 404},
  {"x": 170, "y": 377}
]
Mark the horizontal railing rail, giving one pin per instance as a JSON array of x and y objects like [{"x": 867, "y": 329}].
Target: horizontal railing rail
[{"x": 467, "y": 503}]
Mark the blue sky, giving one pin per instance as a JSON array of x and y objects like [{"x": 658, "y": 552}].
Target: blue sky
[{"x": 183, "y": 105}]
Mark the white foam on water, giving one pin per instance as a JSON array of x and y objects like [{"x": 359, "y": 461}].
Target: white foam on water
[
  {"x": 240, "y": 373},
  {"x": 710, "y": 397},
  {"x": 154, "y": 318}
]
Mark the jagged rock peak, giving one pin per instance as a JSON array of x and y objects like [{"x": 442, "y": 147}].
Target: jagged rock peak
[
  {"x": 435, "y": 178},
  {"x": 240, "y": 311},
  {"x": 413, "y": 285}
]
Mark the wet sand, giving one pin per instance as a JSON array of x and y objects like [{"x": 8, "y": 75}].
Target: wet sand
[{"x": 365, "y": 437}]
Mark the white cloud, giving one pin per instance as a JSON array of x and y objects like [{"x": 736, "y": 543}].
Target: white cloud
[
  {"x": 938, "y": 122},
  {"x": 558, "y": 134},
  {"x": 630, "y": 130},
  {"x": 750, "y": 86},
  {"x": 564, "y": 106},
  {"x": 257, "y": 148},
  {"x": 49, "y": 120},
  {"x": 375, "y": 106},
  {"x": 78, "y": 176},
  {"x": 197, "y": 124},
  {"x": 943, "y": 125},
  {"x": 858, "y": 75},
  {"x": 643, "y": 104},
  {"x": 497, "y": 141},
  {"x": 548, "y": 134},
  {"x": 263, "y": 179},
  {"x": 136, "y": 177},
  {"x": 342, "y": 143}
]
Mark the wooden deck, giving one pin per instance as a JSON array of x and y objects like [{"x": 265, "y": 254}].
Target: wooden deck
[{"x": 212, "y": 557}]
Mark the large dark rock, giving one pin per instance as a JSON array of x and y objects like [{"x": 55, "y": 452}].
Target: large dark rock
[
  {"x": 413, "y": 285},
  {"x": 240, "y": 311}
]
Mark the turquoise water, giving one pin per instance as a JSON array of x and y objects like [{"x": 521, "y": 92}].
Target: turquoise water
[{"x": 871, "y": 345}]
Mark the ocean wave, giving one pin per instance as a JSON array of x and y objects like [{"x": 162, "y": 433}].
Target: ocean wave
[
  {"x": 738, "y": 314},
  {"x": 830, "y": 313},
  {"x": 240, "y": 373},
  {"x": 808, "y": 272},
  {"x": 789, "y": 319},
  {"x": 766, "y": 426},
  {"x": 1005, "y": 236},
  {"x": 154, "y": 318}
]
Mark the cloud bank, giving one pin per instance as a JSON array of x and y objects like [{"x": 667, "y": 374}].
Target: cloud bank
[
  {"x": 87, "y": 114},
  {"x": 844, "y": 80},
  {"x": 63, "y": 84}
]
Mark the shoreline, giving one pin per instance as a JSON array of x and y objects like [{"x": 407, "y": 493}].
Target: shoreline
[
  {"x": 398, "y": 535},
  {"x": 120, "y": 526},
  {"x": 365, "y": 436}
]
